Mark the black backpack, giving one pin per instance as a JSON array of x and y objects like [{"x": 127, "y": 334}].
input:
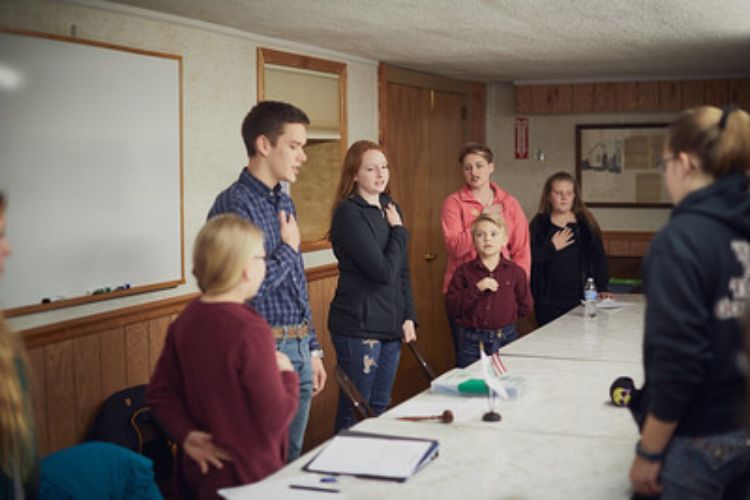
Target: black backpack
[{"x": 125, "y": 420}]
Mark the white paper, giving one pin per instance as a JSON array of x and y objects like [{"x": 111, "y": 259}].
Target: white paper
[
  {"x": 371, "y": 456},
  {"x": 612, "y": 304},
  {"x": 280, "y": 488}
]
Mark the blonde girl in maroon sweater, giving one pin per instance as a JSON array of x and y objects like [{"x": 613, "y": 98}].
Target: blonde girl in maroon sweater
[{"x": 220, "y": 388}]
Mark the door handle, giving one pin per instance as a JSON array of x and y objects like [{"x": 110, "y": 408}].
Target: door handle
[{"x": 430, "y": 256}]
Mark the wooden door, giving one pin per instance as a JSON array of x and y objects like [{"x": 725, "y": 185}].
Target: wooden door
[{"x": 426, "y": 128}]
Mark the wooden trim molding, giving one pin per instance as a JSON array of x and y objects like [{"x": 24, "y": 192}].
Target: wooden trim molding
[
  {"x": 321, "y": 272},
  {"x": 87, "y": 299},
  {"x": 313, "y": 245},
  {"x": 86, "y": 325}
]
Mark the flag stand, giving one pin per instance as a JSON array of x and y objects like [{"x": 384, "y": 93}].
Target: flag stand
[{"x": 491, "y": 415}]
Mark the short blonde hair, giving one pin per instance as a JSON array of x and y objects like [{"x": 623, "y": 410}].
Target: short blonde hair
[
  {"x": 221, "y": 250},
  {"x": 494, "y": 219}
]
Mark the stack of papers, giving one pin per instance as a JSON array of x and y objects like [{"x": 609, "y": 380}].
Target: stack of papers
[{"x": 376, "y": 456}]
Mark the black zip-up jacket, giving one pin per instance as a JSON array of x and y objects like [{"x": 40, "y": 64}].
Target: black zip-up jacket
[
  {"x": 593, "y": 259},
  {"x": 374, "y": 295},
  {"x": 696, "y": 277}
]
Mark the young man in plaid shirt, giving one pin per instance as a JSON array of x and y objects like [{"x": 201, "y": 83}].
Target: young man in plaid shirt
[{"x": 274, "y": 134}]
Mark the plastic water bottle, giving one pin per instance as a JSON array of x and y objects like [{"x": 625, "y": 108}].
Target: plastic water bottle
[{"x": 589, "y": 299}]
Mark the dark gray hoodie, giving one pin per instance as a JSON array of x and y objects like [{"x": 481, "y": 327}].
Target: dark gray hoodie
[{"x": 696, "y": 277}]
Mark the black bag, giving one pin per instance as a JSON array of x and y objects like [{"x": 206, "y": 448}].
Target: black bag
[{"x": 125, "y": 420}]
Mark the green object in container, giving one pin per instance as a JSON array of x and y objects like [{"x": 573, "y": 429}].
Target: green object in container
[
  {"x": 624, "y": 281},
  {"x": 473, "y": 386}
]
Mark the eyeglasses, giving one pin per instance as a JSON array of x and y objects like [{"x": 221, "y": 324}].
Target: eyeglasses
[{"x": 662, "y": 164}]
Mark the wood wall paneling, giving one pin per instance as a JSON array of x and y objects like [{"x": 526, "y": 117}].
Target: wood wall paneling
[
  {"x": 583, "y": 98},
  {"x": 739, "y": 93},
  {"x": 630, "y": 96},
  {"x": 605, "y": 97},
  {"x": 75, "y": 365},
  {"x": 626, "y": 243},
  {"x": 692, "y": 93},
  {"x": 552, "y": 98},
  {"x": 157, "y": 332},
  {"x": 625, "y": 251},
  {"x": 38, "y": 397},
  {"x": 716, "y": 93},
  {"x": 88, "y": 380},
  {"x": 60, "y": 394},
  {"x": 670, "y": 95},
  {"x": 323, "y": 408},
  {"x": 136, "y": 354},
  {"x": 113, "y": 365},
  {"x": 637, "y": 96},
  {"x": 523, "y": 99}
]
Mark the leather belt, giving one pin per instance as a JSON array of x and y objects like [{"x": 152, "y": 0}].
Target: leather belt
[{"x": 291, "y": 331}]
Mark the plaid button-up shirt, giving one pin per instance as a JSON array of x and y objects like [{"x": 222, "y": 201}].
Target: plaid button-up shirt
[{"x": 282, "y": 298}]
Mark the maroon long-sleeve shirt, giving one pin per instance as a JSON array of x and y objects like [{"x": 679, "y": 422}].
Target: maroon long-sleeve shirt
[
  {"x": 472, "y": 308},
  {"x": 218, "y": 374}
]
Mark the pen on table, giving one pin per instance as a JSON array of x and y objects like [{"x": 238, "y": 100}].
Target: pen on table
[{"x": 312, "y": 488}]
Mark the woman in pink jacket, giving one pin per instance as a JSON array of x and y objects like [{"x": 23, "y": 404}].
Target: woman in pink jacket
[{"x": 480, "y": 195}]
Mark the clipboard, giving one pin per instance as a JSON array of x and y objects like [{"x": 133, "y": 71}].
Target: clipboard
[{"x": 374, "y": 456}]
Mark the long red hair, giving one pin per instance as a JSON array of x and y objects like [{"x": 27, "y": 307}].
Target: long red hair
[{"x": 349, "y": 169}]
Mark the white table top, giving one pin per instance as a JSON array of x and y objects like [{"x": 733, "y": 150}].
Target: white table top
[
  {"x": 614, "y": 335},
  {"x": 560, "y": 396},
  {"x": 559, "y": 439}
]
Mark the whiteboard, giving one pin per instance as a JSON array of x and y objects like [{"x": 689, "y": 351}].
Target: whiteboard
[{"x": 91, "y": 165}]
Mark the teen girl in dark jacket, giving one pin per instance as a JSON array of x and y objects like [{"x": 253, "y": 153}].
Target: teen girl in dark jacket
[
  {"x": 566, "y": 249},
  {"x": 373, "y": 308}
]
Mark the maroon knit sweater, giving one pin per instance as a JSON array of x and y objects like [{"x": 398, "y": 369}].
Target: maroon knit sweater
[{"x": 218, "y": 374}]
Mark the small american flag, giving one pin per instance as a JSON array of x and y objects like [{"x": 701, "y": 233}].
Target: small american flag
[{"x": 493, "y": 370}]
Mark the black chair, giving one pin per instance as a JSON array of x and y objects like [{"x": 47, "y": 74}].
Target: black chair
[
  {"x": 422, "y": 362},
  {"x": 352, "y": 393}
]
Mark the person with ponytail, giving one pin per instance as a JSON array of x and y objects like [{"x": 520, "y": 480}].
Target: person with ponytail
[
  {"x": 18, "y": 477},
  {"x": 566, "y": 249},
  {"x": 695, "y": 441}
]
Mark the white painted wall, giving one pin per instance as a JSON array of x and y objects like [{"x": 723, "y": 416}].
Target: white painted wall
[
  {"x": 219, "y": 85},
  {"x": 555, "y": 134}
]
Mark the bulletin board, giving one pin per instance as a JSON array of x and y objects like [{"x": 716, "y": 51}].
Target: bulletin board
[
  {"x": 91, "y": 166},
  {"x": 617, "y": 165}
]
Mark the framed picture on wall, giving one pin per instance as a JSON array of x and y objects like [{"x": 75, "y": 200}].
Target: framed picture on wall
[{"x": 617, "y": 165}]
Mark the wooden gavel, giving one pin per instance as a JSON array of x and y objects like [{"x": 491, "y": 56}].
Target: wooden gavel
[{"x": 446, "y": 417}]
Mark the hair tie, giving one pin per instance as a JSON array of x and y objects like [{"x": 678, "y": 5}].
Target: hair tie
[{"x": 725, "y": 116}]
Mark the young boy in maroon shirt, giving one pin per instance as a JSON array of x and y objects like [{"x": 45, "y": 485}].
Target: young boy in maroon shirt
[{"x": 488, "y": 294}]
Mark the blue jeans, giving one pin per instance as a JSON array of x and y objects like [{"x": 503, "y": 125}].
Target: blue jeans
[
  {"x": 707, "y": 467},
  {"x": 298, "y": 351},
  {"x": 469, "y": 338},
  {"x": 454, "y": 336},
  {"x": 371, "y": 365}
]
